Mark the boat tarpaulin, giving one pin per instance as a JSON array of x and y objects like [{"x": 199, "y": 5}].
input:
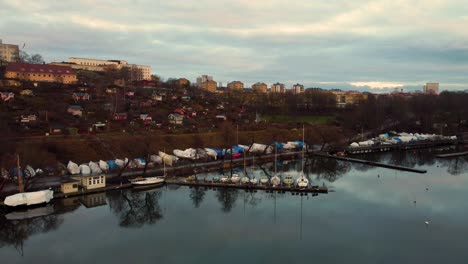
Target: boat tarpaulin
[{"x": 29, "y": 198}]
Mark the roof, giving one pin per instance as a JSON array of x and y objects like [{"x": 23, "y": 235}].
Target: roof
[
  {"x": 75, "y": 107},
  {"x": 39, "y": 68},
  {"x": 68, "y": 181}
]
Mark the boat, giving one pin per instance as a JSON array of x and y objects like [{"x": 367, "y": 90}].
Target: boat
[
  {"x": 253, "y": 181},
  {"x": 235, "y": 178},
  {"x": 191, "y": 178},
  {"x": 147, "y": 181},
  {"x": 225, "y": 179},
  {"x": 288, "y": 180},
  {"x": 302, "y": 181},
  {"x": 103, "y": 166},
  {"x": 275, "y": 180},
  {"x": 216, "y": 179},
  {"x": 73, "y": 168},
  {"x": 264, "y": 180},
  {"x": 27, "y": 198}
]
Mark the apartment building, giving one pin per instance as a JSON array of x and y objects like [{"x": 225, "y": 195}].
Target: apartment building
[
  {"x": 277, "y": 88},
  {"x": 431, "y": 88},
  {"x": 260, "y": 87},
  {"x": 235, "y": 86},
  {"x": 297, "y": 88},
  {"x": 9, "y": 52},
  {"x": 137, "y": 72}
]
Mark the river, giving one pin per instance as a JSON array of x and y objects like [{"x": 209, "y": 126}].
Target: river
[{"x": 372, "y": 215}]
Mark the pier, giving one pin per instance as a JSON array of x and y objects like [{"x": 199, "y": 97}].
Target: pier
[
  {"x": 451, "y": 155},
  {"x": 371, "y": 163},
  {"x": 400, "y": 146}
]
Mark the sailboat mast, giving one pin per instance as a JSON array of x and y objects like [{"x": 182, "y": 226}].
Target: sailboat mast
[
  {"x": 18, "y": 171},
  {"x": 303, "y": 148},
  {"x": 275, "y": 159}
]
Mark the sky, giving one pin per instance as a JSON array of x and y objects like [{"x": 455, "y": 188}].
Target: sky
[{"x": 352, "y": 45}]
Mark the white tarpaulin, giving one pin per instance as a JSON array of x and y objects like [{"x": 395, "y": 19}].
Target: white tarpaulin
[
  {"x": 73, "y": 168},
  {"x": 94, "y": 168},
  {"x": 156, "y": 159},
  {"x": 29, "y": 198},
  {"x": 84, "y": 169},
  {"x": 167, "y": 159},
  {"x": 103, "y": 165}
]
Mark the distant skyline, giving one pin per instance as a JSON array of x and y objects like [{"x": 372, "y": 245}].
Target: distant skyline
[{"x": 350, "y": 45}]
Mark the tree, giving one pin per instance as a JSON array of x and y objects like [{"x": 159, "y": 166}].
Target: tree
[{"x": 33, "y": 59}]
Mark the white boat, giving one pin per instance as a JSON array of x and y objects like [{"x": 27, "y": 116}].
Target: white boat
[
  {"x": 29, "y": 172},
  {"x": 302, "y": 181},
  {"x": 253, "y": 181},
  {"x": 146, "y": 181},
  {"x": 245, "y": 180},
  {"x": 225, "y": 179},
  {"x": 84, "y": 169},
  {"x": 264, "y": 180},
  {"x": 103, "y": 165},
  {"x": 95, "y": 169},
  {"x": 288, "y": 180},
  {"x": 73, "y": 168},
  {"x": 29, "y": 198},
  {"x": 235, "y": 178},
  {"x": 275, "y": 180}
]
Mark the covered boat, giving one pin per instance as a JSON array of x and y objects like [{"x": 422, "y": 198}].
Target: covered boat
[
  {"x": 261, "y": 148},
  {"x": 167, "y": 158},
  {"x": 29, "y": 172},
  {"x": 103, "y": 165},
  {"x": 95, "y": 169},
  {"x": 212, "y": 153},
  {"x": 121, "y": 163},
  {"x": 73, "y": 168},
  {"x": 84, "y": 169},
  {"x": 186, "y": 154},
  {"x": 29, "y": 198},
  {"x": 156, "y": 159}
]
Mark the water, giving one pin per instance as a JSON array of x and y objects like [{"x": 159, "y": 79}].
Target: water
[{"x": 374, "y": 215}]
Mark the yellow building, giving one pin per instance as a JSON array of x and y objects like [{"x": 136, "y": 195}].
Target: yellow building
[
  {"x": 235, "y": 86},
  {"x": 89, "y": 182},
  {"x": 9, "y": 52},
  {"x": 260, "y": 87},
  {"x": 138, "y": 72},
  {"x": 209, "y": 86},
  {"x": 69, "y": 186},
  {"x": 80, "y": 66},
  {"x": 350, "y": 97},
  {"x": 182, "y": 82},
  {"x": 40, "y": 73}
]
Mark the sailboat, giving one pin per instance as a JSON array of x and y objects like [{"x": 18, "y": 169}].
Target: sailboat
[
  {"x": 225, "y": 179},
  {"x": 275, "y": 180},
  {"x": 150, "y": 181},
  {"x": 288, "y": 180},
  {"x": 27, "y": 198},
  {"x": 302, "y": 181},
  {"x": 244, "y": 178},
  {"x": 253, "y": 180}
]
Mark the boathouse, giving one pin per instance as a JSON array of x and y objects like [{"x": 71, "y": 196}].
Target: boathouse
[{"x": 89, "y": 182}]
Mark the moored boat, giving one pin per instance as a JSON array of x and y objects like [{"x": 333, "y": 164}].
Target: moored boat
[
  {"x": 147, "y": 181},
  {"x": 235, "y": 178}
]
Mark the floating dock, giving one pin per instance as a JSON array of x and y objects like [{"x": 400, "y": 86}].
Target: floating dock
[
  {"x": 400, "y": 146},
  {"x": 371, "y": 163},
  {"x": 267, "y": 188},
  {"x": 451, "y": 155}
]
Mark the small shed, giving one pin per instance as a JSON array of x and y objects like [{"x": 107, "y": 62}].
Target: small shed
[
  {"x": 89, "y": 182},
  {"x": 176, "y": 119},
  {"x": 69, "y": 186}
]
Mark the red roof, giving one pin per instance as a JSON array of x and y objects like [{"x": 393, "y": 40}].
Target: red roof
[{"x": 39, "y": 68}]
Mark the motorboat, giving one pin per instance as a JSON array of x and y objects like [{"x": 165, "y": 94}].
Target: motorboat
[
  {"x": 253, "y": 181},
  {"x": 245, "y": 180},
  {"x": 225, "y": 179},
  {"x": 264, "y": 180},
  {"x": 302, "y": 181},
  {"x": 275, "y": 180}
]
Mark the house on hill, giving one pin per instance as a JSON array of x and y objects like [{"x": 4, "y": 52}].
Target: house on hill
[
  {"x": 7, "y": 96},
  {"x": 80, "y": 97},
  {"x": 40, "y": 73},
  {"x": 176, "y": 119},
  {"x": 75, "y": 110}
]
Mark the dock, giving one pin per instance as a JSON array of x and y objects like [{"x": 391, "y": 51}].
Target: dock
[
  {"x": 451, "y": 155},
  {"x": 371, "y": 163},
  {"x": 267, "y": 188},
  {"x": 400, "y": 146}
]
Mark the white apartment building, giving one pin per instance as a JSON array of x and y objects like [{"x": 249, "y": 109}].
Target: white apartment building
[
  {"x": 297, "y": 89},
  {"x": 277, "y": 88},
  {"x": 138, "y": 72},
  {"x": 9, "y": 52},
  {"x": 203, "y": 79}
]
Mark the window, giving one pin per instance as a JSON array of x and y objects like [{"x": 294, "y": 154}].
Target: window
[
  {"x": 75, "y": 186},
  {"x": 89, "y": 181}
]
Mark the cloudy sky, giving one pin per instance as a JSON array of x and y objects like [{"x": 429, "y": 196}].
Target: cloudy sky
[{"x": 360, "y": 44}]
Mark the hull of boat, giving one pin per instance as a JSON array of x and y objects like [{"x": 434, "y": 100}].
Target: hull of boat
[{"x": 150, "y": 181}]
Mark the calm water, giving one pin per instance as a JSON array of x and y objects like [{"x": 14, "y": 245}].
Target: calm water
[{"x": 374, "y": 215}]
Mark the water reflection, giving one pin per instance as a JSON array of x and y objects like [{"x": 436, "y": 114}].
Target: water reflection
[
  {"x": 227, "y": 198},
  {"x": 134, "y": 209},
  {"x": 196, "y": 195}
]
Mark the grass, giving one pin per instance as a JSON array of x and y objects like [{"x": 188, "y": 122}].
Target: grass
[{"x": 311, "y": 119}]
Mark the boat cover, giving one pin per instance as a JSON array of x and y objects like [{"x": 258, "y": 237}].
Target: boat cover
[
  {"x": 103, "y": 165},
  {"x": 29, "y": 172},
  {"x": 84, "y": 169},
  {"x": 112, "y": 164},
  {"x": 29, "y": 198},
  {"x": 73, "y": 168},
  {"x": 95, "y": 169}
]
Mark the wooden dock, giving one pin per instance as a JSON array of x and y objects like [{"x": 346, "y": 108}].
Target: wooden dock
[
  {"x": 267, "y": 188},
  {"x": 97, "y": 190},
  {"x": 451, "y": 155},
  {"x": 371, "y": 163}
]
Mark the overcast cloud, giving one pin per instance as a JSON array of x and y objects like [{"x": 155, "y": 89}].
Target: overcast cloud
[{"x": 360, "y": 44}]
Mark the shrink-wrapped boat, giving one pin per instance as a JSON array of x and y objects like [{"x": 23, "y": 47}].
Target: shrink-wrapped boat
[{"x": 73, "y": 168}]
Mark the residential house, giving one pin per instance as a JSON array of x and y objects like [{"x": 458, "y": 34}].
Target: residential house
[
  {"x": 221, "y": 117},
  {"x": 130, "y": 93},
  {"x": 80, "y": 97},
  {"x": 147, "y": 103},
  {"x": 182, "y": 82},
  {"x": 297, "y": 88},
  {"x": 344, "y": 98},
  {"x": 179, "y": 111},
  {"x": 176, "y": 119},
  {"x": 75, "y": 110},
  {"x": 69, "y": 186},
  {"x": 7, "y": 96},
  {"x": 156, "y": 97},
  {"x": 111, "y": 90},
  {"x": 120, "y": 116},
  {"x": 56, "y": 128},
  {"x": 89, "y": 182}
]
